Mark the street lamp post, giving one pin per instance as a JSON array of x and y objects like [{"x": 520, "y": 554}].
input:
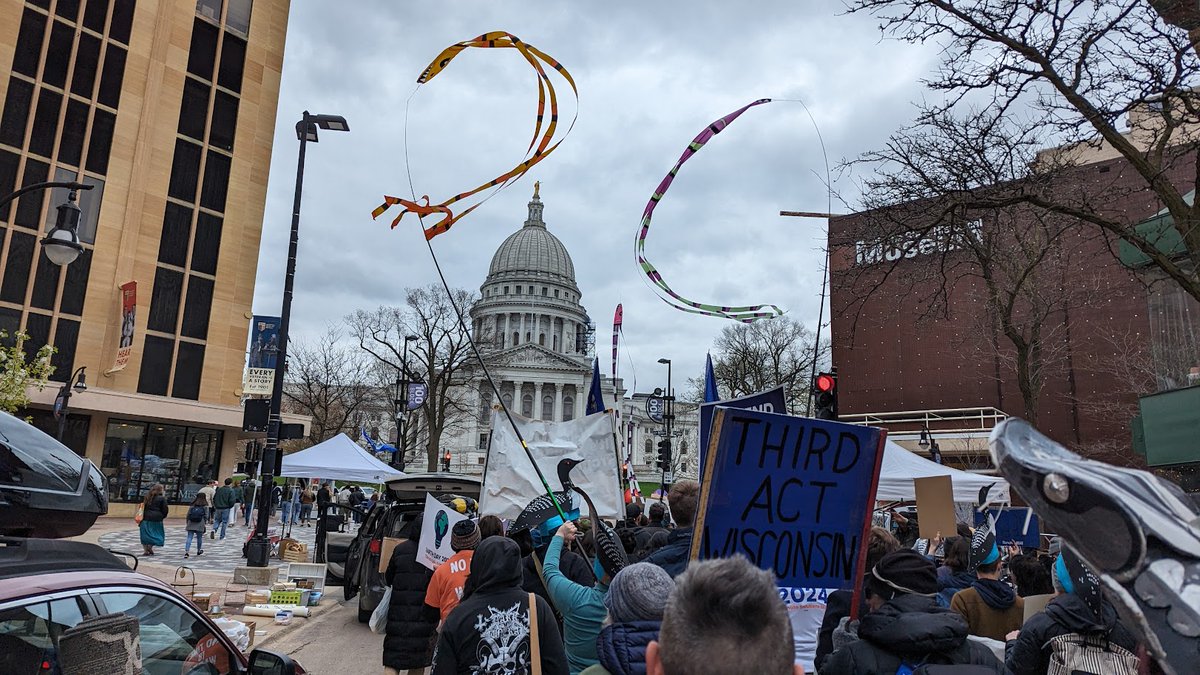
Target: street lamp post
[
  {"x": 61, "y": 244},
  {"x": 258, "y": 549},
  {"x": 76, "y": 383},
  {"x": 669, "y": 418},
  {"x": 402, "y": 383}
]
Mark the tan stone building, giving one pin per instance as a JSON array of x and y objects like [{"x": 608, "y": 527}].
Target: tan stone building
[{"x": 168, "y": 109}]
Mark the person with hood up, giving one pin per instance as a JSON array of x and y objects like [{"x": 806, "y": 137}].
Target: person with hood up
[
  {"x": 990, "y": 606},
  {"x": 494, "y": 629},
  {"x": 635, "y": 602},
  {"x": 955, "y": 573},
  {"x": 837, "y": 607},
  {"x": 906, "y": 627},
  {"x": 1079, "y": 618},
  {"x": 582, "y": 607},
  {"x": 411, "y": 624}
]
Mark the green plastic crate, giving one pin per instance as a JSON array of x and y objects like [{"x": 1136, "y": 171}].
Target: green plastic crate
[{"x": 285, "y": 597}]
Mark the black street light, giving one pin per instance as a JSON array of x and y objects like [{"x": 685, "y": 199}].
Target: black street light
[
  {"x": 258, "y": 549},
  {"x": 928, "y": 442},
  {"x": 61, "y": 244},
  {"x": 401, "y": 403},
  {"x": 669, "y": 418},
  {"x": 78, "y": 384}
]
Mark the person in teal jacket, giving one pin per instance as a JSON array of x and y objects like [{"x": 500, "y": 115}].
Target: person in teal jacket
[{"x": 582, "y": 607}]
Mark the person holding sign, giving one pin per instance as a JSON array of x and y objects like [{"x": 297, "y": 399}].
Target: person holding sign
[
  {"x": 582, "y": 607},
  {"x": 446, "y": 586},
  {"x": 906, "y": 629}
]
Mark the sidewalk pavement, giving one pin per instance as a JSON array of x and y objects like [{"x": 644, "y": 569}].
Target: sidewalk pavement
[{"x": 118, "y": 532}]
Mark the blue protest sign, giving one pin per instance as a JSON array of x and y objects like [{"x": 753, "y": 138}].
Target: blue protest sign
[
  {"x": 792, "y": 494},
  {"x": 1010, "y": 523},
  {"x": 770, "y": 401}
]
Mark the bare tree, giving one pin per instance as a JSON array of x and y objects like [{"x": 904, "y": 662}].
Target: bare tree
[
  {"x": 438, "y": 357},
  {"x": 325, "y": 380},
  {"x": 1063, "y": 74},
  {"x": 749, "y": 358}
]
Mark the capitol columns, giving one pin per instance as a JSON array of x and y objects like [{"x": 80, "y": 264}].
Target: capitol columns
[
  {"x": 537, "y": 401},
  {"x": 558, "y": 401}
]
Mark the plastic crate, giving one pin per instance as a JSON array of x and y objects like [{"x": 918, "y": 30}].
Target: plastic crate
[{"x": 286, "y": 597}]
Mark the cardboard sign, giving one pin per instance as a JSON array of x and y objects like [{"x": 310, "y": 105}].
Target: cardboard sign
[
  {"x": 1035, "y": 604},
  {"x": 770, "y": 401},
  {"x": 794, "y": 496},
  {"x": 433, "y": 548},
  {"x": 385, "y": 553},
  {"x": 935, "y": 507}
]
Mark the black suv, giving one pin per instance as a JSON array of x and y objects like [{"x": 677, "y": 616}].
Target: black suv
[{"x": 353, "y": 557}]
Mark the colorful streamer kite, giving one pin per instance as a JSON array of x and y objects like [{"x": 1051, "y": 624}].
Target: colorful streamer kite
[
  {"x": 745, "y": 314},
  {"x": 535, "y": 57}
]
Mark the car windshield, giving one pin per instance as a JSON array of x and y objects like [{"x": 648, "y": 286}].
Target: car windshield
[{"x": 32, "y": 459}]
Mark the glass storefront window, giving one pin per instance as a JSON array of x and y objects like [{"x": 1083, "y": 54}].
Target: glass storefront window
[{"x": 139, "y": 454}]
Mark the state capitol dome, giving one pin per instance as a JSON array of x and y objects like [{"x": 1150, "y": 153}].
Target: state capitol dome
[{"x": 533, "y": 253}]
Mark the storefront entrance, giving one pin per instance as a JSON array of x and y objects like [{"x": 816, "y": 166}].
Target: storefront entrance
[{"x": 139, "y": 454}]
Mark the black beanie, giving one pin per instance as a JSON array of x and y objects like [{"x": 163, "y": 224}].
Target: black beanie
[{"x": 903, "y": 571}]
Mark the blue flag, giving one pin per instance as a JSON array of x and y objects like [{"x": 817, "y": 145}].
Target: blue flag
[
  {"x": 595, "y": 401},
  {"x": 710, "y": 382}
]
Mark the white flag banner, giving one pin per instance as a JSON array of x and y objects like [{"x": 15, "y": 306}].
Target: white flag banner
[
  {"x": 433, "y": 548},
  {"x": 509, "y": 482}
]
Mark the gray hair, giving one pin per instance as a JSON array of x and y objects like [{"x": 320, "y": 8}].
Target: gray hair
[{"x": 726, "y": 616}]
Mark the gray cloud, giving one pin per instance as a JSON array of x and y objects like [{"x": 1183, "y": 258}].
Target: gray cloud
[{"x": 651, "y": 76}]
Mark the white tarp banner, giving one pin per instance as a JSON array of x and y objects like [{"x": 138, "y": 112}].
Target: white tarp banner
[
  {"x": 433, "y": 548},
  {"x": 509, "y": 482}
]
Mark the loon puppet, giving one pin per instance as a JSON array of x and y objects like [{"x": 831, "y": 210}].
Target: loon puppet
[{"x": 540, "y": 516}]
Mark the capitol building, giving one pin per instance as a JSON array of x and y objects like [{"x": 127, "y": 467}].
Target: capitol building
[{"x": 539, "y": 342}]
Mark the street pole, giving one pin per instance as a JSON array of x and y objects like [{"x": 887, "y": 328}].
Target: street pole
[
  {"x": 63, "y": 400},
  {"x": 402, "y": 408},
  {"x": 258, "y": 550}
]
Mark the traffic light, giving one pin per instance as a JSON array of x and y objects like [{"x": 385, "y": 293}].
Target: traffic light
[
  {"x": 825, "y": 398},
  {"x": 446, "y": 461},
  {"x": 664, "y": 454}
]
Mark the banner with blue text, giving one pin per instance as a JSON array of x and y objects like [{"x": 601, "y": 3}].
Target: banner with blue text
[{"x": 770, "y": 401}]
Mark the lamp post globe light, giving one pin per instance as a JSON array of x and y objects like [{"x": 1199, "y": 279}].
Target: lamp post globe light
[
  {"x": 258, "y": 549},
  {"x": 61, "y": 243}
]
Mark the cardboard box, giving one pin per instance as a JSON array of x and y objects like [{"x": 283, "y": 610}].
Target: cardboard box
[
  {"x": 252, "y": 625},
  {"x": 385, "y": 553}
]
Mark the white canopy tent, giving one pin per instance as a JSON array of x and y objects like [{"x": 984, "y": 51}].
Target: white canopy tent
[
  {"x": 338, "y": 458},
  {"x": 900, "y": 467}
]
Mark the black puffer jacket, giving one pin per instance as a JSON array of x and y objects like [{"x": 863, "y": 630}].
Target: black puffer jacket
[
  {"x": 1065, "y": 614},
  {"x": 411, "y": 624},
  {"x": 912, "y": 629},
  {"x": 488, "y": 632}
]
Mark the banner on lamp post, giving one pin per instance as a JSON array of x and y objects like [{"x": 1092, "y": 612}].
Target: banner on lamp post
[
  {"x": 128, "y": 323},
  {"x": 264, "y": 349},
  {"x": 417, "y": 392}
]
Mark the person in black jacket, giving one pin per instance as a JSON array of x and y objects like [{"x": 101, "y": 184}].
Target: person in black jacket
[
  {"x": 411, "y": 624},
  {"x": 674, "y": 557},
  {"x": 837, "y": 606},
  {"x": 1070, "y": 613},
  {"x": 906, "y": 627},
  {"x": 154, "y": 512},
  {"x": 489, "y": 630}
]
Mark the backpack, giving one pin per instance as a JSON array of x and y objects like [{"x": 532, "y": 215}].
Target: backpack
[
  {"x": 1074, "y": 653},
  {"x": 197, "y": 514}
]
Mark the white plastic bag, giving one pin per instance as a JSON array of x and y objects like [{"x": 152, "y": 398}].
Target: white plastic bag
[{"x": 378, "y": 621}]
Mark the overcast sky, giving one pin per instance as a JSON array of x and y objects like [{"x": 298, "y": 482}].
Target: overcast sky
[{"x": 651, "y": 75}]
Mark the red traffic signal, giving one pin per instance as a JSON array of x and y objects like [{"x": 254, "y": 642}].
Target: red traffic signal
[{"x": 825, "y": 383}]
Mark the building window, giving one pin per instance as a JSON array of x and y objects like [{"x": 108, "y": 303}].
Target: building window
[
  {"x": 506, "y": 290},
  {"x": 548, "y": 408},
  {"x": 139, "y": 454},
  {"x": 507, "y": 398},
  {"x": 542, "y": 339},
  {"x": 544, "y": 290},
  {"x": 556, "y": 292},
  {"x": 531, "y": 290},
  {"x": 516, "y": 339},
  {"x": 156, "y": 365},
  {"x": 527, "y": 405},
  {"x": 483, "y": 441},
  {"x": 518, "y": 290},
  {"x": 568, "y": 408},
  {"x": 555, "y": 343}
]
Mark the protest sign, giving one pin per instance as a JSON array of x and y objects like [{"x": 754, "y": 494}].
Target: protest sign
[
  {"x": 509, "y": 482},
  {"x": 793, "y": 495},
  {"x": 1010, "y": 527},
  {"x": 770, "y": 401},
  {"x": 935, "y": 507},
  {"x": 433, "y": 548}
]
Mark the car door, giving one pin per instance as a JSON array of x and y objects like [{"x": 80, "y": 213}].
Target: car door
[
  {"x": 175, "y": 638},
  {"x": 30, "y": 628}
]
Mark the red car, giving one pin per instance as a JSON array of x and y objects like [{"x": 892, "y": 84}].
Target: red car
[{"x": 49, "y": 586}]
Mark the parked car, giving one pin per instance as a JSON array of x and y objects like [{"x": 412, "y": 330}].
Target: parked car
[
  {"x": 46, "y": 490},
  {"x": 48, "y": 586},
  {"x": 353, "y": 557}
]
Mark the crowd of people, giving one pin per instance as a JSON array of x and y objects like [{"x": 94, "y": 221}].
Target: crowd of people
[{"x": 514, "y": 602}]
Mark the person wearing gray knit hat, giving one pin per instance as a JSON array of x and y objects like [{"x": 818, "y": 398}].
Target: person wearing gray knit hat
[
  {"x": 464, "y": 536},
  {"x": 638, "y": 593}
]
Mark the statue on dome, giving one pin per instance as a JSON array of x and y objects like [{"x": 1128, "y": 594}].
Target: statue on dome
[{"x": 537, "y": 184}]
